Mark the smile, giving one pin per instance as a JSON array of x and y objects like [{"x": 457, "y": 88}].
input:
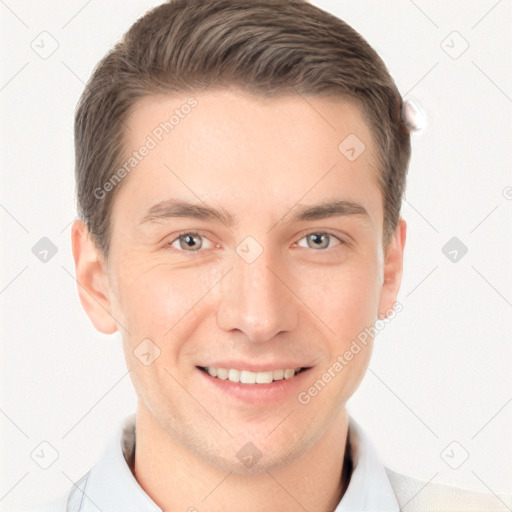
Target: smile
[{"x": 248, "y": 377}]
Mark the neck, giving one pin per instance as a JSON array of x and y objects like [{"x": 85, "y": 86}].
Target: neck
[{"x": 176, "y": 479}]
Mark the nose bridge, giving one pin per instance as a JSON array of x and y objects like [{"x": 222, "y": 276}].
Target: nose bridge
[{"x": 254, "y": 300}]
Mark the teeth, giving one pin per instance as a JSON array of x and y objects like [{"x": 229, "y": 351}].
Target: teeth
[
  {"x": 264, "y": 377},
  {"x": 222, "y": 373},
  {"x": 278, "y": 374},
  {"x": 234, "y": 375},
  {"x": 247, "y": 377}
]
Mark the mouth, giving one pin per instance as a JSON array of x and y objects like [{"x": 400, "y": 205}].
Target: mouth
[{"x": 252, "y": 378}]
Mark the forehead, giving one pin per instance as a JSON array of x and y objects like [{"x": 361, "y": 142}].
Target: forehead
[
  {"x": 213, "y": 113},
  {"x": 239, "y": 151}
]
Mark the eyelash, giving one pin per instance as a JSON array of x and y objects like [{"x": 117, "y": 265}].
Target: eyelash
[{"x": 201, "y": 234}]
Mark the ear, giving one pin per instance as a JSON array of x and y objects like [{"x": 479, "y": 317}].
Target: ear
[
  {"x": 92, "y": 279},
  {"x": 393, "y": 269}
]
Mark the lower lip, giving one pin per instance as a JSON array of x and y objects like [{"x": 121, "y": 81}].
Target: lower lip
[{"x": 275, "y": 391}]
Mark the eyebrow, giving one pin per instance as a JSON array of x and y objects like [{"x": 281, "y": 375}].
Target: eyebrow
[{"x": 175, "y": 208}]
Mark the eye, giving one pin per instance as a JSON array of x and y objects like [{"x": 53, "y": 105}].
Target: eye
[
  {"x": 193, "y": 241},
  {"x": 320, "y": 240},
  {"x": 189, "y": 241}
]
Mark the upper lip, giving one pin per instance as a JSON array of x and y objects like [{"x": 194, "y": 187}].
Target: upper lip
[{"x": 255, "y": 367}]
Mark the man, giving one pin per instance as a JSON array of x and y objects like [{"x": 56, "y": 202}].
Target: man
[{"x": 240, "y": 167}]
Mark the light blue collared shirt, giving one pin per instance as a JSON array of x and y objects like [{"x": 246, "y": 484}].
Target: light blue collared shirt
[{"x": 109, "y": 486}]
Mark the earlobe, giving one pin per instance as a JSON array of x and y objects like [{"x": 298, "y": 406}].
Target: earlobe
[
  {"x": 91, "y": 279},
  {"x": 392, "y": 271}
]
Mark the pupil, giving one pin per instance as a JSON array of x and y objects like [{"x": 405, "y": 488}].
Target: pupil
[
  {"x": 189, "y": 240},
  {"x": 317, "y": 239}
]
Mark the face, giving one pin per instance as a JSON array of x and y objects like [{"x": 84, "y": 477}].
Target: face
[{"x": 247, "y": 243}]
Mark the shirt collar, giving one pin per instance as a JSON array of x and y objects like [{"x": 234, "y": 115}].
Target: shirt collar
[
  {"x": 110, "y": 484},
  {"x": 369, "y": 489}
]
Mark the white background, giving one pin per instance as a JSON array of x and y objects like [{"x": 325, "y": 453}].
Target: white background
[{"x": 441, "y": 371}]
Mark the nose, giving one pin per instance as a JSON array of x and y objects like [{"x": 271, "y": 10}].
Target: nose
[{"x": 256, "y": 300}]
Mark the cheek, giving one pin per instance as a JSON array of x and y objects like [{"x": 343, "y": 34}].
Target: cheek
[
  {"x": 160, "y": 306},
  {"x": 358, "y": 302},
  {"x": 348, "y": 305},
  {"x": 345, "y": 297},
  {"x": 156, "y": 301}
]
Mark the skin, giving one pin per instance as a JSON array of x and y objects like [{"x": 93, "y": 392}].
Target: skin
[{"x": 258, "y": 159}]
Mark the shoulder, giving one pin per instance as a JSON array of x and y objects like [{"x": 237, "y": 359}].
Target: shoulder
[{"x": 421, "y": 495}]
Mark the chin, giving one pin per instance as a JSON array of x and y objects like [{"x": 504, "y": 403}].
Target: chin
[
  {"x": 263, "y": 460},
  {"x": 257, "y": 454}
]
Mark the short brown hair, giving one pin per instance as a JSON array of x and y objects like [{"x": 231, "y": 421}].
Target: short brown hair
[{"x": 265, "y": 47}]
